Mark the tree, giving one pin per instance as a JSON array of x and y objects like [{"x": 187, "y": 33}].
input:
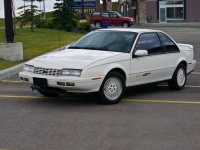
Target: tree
[
  {"x": 28, "y": 14},
  {"x": 64, "y": 14}
]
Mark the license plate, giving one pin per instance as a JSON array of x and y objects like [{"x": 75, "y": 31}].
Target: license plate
[{"x": 40, "y": 82}]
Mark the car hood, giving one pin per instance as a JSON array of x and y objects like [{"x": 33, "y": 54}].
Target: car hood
[
  {"x": 126, "y": 17},
  {"x": 71, "y": 58}
]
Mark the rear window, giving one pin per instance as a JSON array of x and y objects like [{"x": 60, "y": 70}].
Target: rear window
[{"x": 95, "y": 14}]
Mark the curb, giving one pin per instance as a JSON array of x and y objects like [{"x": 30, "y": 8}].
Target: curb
[
  {"x": 6, "y": 73},
  {"x": 11, "y": 71}
]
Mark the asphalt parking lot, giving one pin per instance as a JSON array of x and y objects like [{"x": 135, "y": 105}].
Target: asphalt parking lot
[{"x": 148, "y": 118}]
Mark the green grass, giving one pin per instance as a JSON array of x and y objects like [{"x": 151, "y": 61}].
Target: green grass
[
  {"x": 2, "y": 22},
  {"x": 38, "y": 42}
]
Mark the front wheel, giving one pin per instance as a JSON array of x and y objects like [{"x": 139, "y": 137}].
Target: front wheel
[
  {"x": 112, "y": 88},
  {"x": 179, "y": 78},
  {"x": 125, "y": 24}
]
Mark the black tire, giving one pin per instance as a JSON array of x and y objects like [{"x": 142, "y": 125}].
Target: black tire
[
  {"x": 112, "y": 88},
  {"x": 125, "y": 24},
  {"x": 97, "y": 24},
  {"x": 48, "y": 94},
  {"x": 179, "y": 78}
]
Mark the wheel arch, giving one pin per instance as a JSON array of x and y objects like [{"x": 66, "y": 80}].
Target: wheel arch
[
  {"x": 126, "y": 22},
  {"x": 119, "y": 70},
  {"x": 97, "y": 21}
]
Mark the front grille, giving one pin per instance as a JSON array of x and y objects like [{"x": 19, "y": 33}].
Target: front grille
[{"x": 47, "y": 71}]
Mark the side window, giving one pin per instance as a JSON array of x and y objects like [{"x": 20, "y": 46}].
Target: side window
[
  {"x": 96, "y": 14},
  {"x": 105, "y": 14},
  {"x": 168, "y": 43},
  {"x": 113, "y": 15},
  {"x": 149, "y": 42}
]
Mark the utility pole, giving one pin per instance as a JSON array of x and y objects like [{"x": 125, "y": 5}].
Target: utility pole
[
  {"x": 44, "y": 9},
  {"x": 8, "y": 21},
  {"x": 82, "y": 8}
]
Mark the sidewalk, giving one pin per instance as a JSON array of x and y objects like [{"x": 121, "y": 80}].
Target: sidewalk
[{"x": 174, "y": 24}]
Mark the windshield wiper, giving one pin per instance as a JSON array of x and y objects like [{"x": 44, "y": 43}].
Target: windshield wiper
[
  {"x": 95, "y": 48},
  {"x": 74, "y": 47}
]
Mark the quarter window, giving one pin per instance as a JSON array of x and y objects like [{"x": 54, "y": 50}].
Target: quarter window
[
  {"x": 169, "y": 45},
  {"x": 149, "y": 42},
  {"x": 105, "y": 14}
]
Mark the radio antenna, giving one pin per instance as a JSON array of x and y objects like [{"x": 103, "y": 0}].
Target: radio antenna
[{"x": 59, "y": 39}]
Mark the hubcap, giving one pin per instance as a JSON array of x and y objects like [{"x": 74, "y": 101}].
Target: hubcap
[
  {"x": 113, "y": 88},
  {"x": 97, "y": 24},
  {"x": 125, "y": 25},
  {"x": 181, "y": 77}
]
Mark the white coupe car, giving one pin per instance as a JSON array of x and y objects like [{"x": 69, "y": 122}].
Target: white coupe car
[{"x": 106, "y": 61}]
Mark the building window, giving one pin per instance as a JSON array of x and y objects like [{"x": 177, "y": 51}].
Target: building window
[
  {"x": 127, "y": 9},
  {"x": 122, "y": 10},
  {"x": 174, "y": 9}
]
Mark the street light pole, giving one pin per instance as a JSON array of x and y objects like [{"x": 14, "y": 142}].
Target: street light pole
[{"x": 8, "y": 21}]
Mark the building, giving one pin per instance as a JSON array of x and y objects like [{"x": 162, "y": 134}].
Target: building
[{"x": 161, "y": 11}]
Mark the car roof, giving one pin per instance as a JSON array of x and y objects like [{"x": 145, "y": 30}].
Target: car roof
[{"x": 131, "y": 30}]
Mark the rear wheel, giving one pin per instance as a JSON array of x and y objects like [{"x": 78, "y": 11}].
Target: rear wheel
[
  {"x": 97, "y": 23},
  {"x": 179, "y": 78},
  {"x": 112, "y": 88},
  {"x": 48, "y": 94},
  {"x": 125, "y": 24}
]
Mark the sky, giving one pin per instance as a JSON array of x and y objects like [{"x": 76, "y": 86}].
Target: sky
[{"x": 49, "y": 4}]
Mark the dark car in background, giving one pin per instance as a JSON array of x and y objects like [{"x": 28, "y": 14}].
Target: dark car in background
[{"x": 112, "y": 18}]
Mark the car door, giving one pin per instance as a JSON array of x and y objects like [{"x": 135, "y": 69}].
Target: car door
[
  {"x": 172, "y": 54},
  {"x": 150, "y": 68},
  {"x": 105, "y": 17},
  {"x": 114, "y": 19}
]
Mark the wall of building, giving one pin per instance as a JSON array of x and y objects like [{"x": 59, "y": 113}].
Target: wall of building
[
  {"x": 142, "y": 11},
  {"x": 193, "y": 10},
  {"x": 152, "y": 10}
]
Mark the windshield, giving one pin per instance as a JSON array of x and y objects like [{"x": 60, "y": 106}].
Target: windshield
[
  {"x": 116, "y": 41},
  {"x": 118, "y": 14}
]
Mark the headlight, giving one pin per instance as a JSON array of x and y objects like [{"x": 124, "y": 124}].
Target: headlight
[
  {"x": 28, "y": 68},
  {"x": 71, "y": 72}
]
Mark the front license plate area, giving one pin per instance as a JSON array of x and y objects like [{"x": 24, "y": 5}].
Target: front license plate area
[{"x": 40, "y": 82}]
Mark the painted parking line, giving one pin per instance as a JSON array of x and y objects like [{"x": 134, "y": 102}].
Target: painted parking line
[
  {"x": 189, "y": 86},
  {"x": 162, "y": 101},
  {"x": 124, "y": 99},
  {"x": 12, "y": 81},
  {"x": 195, "y": 73},
  {"x": 37, "y": 97}
]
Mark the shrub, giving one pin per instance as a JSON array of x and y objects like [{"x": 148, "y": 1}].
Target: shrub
[
  {"x": 68, "y": 27},
  {"x": 84, "y": 26},
  {"x": 40, "y": 23}
]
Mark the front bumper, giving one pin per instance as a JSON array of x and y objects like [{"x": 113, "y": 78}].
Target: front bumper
[
  {"x": 131, "y": 23},
  {"x": 81, "y": 85}
]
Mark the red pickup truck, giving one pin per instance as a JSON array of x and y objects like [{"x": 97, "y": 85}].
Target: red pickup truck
[{"x": 113, "y": 18}]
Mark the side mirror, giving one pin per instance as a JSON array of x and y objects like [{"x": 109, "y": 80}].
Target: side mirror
[{"x": 141, "y": 53}]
